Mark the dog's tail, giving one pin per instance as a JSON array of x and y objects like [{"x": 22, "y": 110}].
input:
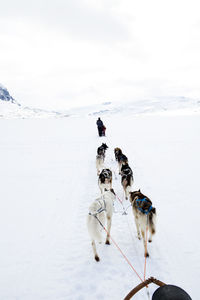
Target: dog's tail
[{"x": 152, "y": 221}]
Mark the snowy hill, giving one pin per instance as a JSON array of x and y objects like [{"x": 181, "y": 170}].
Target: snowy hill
[{"x": 10, "y": 109}]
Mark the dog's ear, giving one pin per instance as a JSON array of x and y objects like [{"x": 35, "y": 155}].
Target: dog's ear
[{"x": 139, "y": 191}]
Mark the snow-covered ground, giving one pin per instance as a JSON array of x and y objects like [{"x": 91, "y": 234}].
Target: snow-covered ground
[{"x": 48, "y": 180}]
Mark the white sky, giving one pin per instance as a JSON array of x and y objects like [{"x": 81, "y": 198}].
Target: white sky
[{"x": 62, "y": 53}]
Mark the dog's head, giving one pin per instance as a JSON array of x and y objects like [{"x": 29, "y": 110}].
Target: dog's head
[
  {"x": 104, "y": 146},
  {"x": 136, "y": 195},
  {"x": 117, "y": 152},
  {"x": 106, "y": 173}
]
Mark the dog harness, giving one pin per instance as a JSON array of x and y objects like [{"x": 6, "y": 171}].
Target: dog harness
[
  {"x": 100, "y": 210},
  {"x": 144, "y": 211},
  {"x": 127, "y": 172}
]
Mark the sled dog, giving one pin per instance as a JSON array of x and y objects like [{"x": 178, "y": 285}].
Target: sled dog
[
  {"x": 100, "y": 210},
  {"x": 126, "y": 179},
  {"x": 145, "y": 215},
  {"x": 120, "y": 158},
  {"x": 100, "y": 157},
  {"x": 105, "y": 180}
]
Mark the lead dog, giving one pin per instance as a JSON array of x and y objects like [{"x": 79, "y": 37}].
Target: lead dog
[
  {"x": 120, "y": 158},
  {"x": 105, "y": 180},
  {"x": 145, "y": 215},
  {"x": 100, "y": 157},
  {"x": 127, "y": 179},
  {"x": 100, "y": 210}
]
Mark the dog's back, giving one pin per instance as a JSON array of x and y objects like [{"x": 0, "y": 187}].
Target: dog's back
[
  {"x": 126, "y": 173},
  {"x": 123, "y": 159}
]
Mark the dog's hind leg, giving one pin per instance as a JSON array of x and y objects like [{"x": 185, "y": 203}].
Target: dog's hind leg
[
  {"x": 146, "y": 254},
  {"x": 137, "y": 225},
  {"x": 120, "y": 166},
  {"x": 108, "y": 230},
  {"x": 127, "y": 189},
  {"x": 96, "y": 257}
]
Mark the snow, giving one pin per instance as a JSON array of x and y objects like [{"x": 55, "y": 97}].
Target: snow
[
  {"x": 48, "y": 181},
  {"x": 137, "y": 107}
]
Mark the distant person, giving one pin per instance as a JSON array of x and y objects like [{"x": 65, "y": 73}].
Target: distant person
[{"x": 101, "y": 127}]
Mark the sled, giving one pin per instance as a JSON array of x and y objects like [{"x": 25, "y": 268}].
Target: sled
[{"x": 164, "y": 292}]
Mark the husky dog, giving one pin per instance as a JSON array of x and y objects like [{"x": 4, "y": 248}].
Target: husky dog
[
  {"x": 127, "y": 179},
  {"x": 145, "y": 215},
  {"x": 100, "y": 210},
  {"x": 120, "y": 158},
  {"x": 105, "y": 180},
  {"x": 100, "y": 157}
]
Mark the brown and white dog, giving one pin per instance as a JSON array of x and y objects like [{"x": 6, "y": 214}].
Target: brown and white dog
[
  {"x": 100, "y": 157},
  {"x": 100, "y": 210},
  {"x": 145, "y": 216},
  {"x": 127, "y": 179},
  {"x": 120, "y": 158},
  {"x": 105, "y": 180}
]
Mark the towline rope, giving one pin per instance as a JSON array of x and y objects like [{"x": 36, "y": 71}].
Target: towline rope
[
  {"x": 120, "y": 250},
  {"x": 146, "y": 236},
  {"x": 145, "y": 259}
]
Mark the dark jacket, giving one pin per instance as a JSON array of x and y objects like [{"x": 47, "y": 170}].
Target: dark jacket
[{"x": 99, "y": 123}]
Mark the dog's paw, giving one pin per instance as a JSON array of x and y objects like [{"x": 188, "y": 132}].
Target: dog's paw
[{"x": 97, "y": 258}]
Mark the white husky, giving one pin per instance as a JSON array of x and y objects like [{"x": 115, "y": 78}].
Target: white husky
[{"x": 100, "y": 210}]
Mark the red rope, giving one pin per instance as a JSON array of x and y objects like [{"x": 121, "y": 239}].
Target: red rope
[
  {"x": 145, "y": 260},
  {"x": 119, "y": 199},
  {"x": 121, "y": 251}
]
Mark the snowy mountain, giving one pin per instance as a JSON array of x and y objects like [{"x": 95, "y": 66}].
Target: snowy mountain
[
  {"x": 11, "y": 109},
  {"x": 4, "y": 95}
]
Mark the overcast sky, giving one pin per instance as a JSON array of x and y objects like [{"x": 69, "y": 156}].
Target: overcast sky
[{"x": 61, "y": 53}]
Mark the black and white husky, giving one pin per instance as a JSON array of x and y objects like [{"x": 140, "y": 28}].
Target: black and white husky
[
  {"x": 145, "y": 216},
  {"x": 120, "y": 158},
  {"x": 105, "y": 180},
  {"x": 126, "y": 179},
  {"x": 100, "y": 210},
  {"x": 100, "y": 157}
]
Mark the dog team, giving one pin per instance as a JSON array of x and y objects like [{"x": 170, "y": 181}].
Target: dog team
[{"x": 101, "y": 210}]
